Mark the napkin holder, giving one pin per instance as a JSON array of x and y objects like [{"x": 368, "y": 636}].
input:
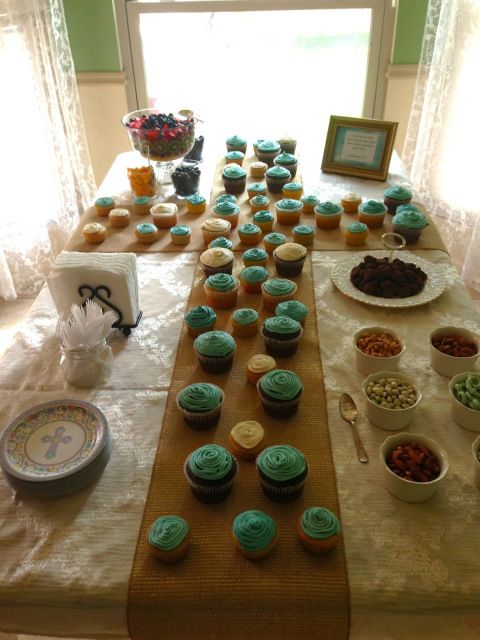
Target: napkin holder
[{"x": 99, "y": 293}]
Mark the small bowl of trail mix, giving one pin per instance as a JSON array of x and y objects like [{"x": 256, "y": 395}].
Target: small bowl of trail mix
[
  {"x": 413, "y": 466},
  {"x": 453, "y": 350},
  {"x": 464, "y": 391},
  {"x": 391, "y": 399},
  {"x": 377, "y": 349}
]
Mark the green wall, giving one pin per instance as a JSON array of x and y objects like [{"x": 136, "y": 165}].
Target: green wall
[{"x": 93, "y": 40}]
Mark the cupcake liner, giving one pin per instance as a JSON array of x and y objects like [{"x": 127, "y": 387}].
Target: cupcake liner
[
  {"x": 215, "y": 365},
  {"x": 180, "y": 240},
  {"x": 350, "y": 206},
  {"x": 303, "y": 239},
  {"x": 221, "y": 299},
  {"x": 276, "y": 186},
  {"x": 251, "y": 287},
  {"x": 196, "y": 331},
  {"x": 266, "y": 227},
  {"x": 209, "y": 494},
  {"x": 232, "y": 219},
  {"x": 282, "y": 494},
  {"x": 328, "y": 222},
  {"x": 393, "y": 204},
  {"x": 411, "y": 235},
  {"x": 270, "y": 302},
  {"x": 255, "y": 263},
  {"x": 250, "y": 240},
  {"x": 208, "y": 236},
  {"x": 373, "y": 221},
  {"x": 288, "y": 217},
  {"x": 225, "y": 268},
  {"x": 201, "y": 419},
  {"x": 245, "y": 330},
  {"x": 281, "y": 348},
  {"x": 235, "y": 187},
  {"x": 280, "y": 409},
  {"x": 289, "y": 267}
]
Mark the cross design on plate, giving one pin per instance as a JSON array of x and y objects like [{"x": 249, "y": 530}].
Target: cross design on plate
[{"x": 55, "y": 440}]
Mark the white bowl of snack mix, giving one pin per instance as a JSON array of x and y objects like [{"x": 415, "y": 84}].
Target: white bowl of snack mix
[
  {"x": 476, "y": 460},
  {"x": 377, "y": 349},
  {"x": 413, "y": 466},
  {"x": 453, "y": 350},
  {"x": 464, "y": 391},
  {"x": 391, "y": 399}
]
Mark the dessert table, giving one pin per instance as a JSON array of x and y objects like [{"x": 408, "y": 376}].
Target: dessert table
[{"x": 65, "y": 564}]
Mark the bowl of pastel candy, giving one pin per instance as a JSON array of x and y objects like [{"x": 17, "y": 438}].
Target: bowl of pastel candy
[{"x": 464, "y": 391}]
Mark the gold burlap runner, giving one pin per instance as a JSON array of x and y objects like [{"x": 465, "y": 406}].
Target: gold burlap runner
[
  {"x": 119, "y": 240},
  {"x": 215, "y": 593}
]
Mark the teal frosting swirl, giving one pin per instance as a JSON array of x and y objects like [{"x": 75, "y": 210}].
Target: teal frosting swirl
[
  {"x": 303, "y": 230},
  {"x": 357, "y": 227},
  {"x": 104, "y": 202},
  {"x": 259, "y": 187},
  {"x": 268, "y": 146},
  {"x": 249, "y": 229},
  {"x": 222, "y": 242},
  {"x": 142, "y": 200},
  {"x": 263, "y": 216},
  {"x": 234, "y": 171},
  {"x": 168, "y": 532},
  {"x": 260, "y": 200},
  {"x": 236, "y": 141},
  {"x": 277, "y": 172},
  {"x": 285, "y": 159},
  {"x": 196, "y": 198},
  {"x": 215, "y": 344},
  {"x": 180, "y": 230},
  {"x": 228, "y": 197},
  {"x": 372, "y": 206},
  {"x": 311, "y": 199},
  {"x": 328, "y": 208},
  {"x": 210, "y": 462},
  {"x": 146, "y": 227},
  {"x": 234, "y": 155},
  {"x": 282, "y": 324},
  {"x": 226, "y": 208},
  {"x": 257, "y": 142},
  {"x": 254, "y": 255},
  {"x": 221, "y": 282},
  {"x": 281, "y": 462},
  {"x": 200, "y": 396},
  {"x": 254, "y": 530},
  {"x": 279, "y": 286},
  {"x": 275, "y": 238},
  {"x": 293, "y": 186},
  {"x": 291, "y": 309},
  {"x": 407, "y": 207},
  {"x": 320, "y": 523},
  {"x": 202, "y": 316},
  {"x": 289, "y": 204},
  {"x": 254, "y": 274},
  {"x": 245, "y": 316},
  {"x": 397, "y": 192},
  {"x": 410, "y": 219}
]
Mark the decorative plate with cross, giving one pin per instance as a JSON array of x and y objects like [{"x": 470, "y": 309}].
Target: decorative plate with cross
[{"x": 53, "y": 440}]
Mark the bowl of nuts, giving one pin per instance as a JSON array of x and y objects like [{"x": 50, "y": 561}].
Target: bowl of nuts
[
  {"x": 377, "y": 349},
  {"x": 453, "y": 350},
  {"x": 413, "y": 465},
  {"x": 391, "y": 399},
  {"x": 476, "y": 460},
  {"x": 464, "y": 391}
]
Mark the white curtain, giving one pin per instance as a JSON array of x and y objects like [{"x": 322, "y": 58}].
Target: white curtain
[
  {"x": 45, "y": 169},
  {"x": 443, "y": 136}
]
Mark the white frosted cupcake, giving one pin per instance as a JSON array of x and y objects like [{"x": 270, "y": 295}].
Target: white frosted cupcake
[
  {"x": 217, "y": 260},
  {"x": 215, "y": 228},
  {"x": 289, "y": 258},
  {"x": 119, "y": 217},
  {"x": 164, "y": 215},
  {"x": 94, "y": 232},
  {"x": 246, "y": 439}
]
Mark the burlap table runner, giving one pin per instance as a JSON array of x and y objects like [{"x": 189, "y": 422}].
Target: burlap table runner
[
  {"x": 215, "y": 592},
  {"x": 119, "y": 239}
]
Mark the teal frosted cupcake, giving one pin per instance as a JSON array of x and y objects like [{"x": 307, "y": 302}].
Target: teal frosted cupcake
[
  {"x": 252, "y": 278},
  {"x": 288, "y": 211},
  {"x": 236, "y": 143},
  {"x": 264, "y": 220},
  {"x": 199, "y": 320},
  {"x": 267, "y": 151},
  {"x": 210, "y": 472},
  {"x": 200, "y": 404},
  {"x": 257, "y": 189},
  {"x": 142, "y": 204},
  {"x": 234, "y": 178},
  {"x": 309, "y": 203},
  {"x": 288, "y": 161},
  {"x": 104, "y": 205},
  {"x": 223, "y": 243},
  {"x": 303, "y": 234},
  {"x": 356, "y": 234},
  {"x": 396, "y": 196},
  {"x": 277, "y": 290},
  {"x": 169, "y": 538},
  {"x": 235, "y": 156},
  {"x": 254, "y": 534},
  {"x": 196, "y": 203},
  {"x": 273, "y": 240},
  {"x": 372, "y": 213},
  {"x": 245, "y": 322},
  {"x": 282, "y": 335},
  {"x": 318, "y": 530},
  {"x": 282, "y": 470},
  {"x": 328, "y": 215},
  {"x": 255, "y": 257},
  {"x": 293, "y": 190},
  {"x": 276, "y": 177},
  {"x": 227, "y": 210},
  {"x": 226, "y": 197},
  {"x": 180, "y": 234},
  {"x": 215, "y": 351},
  {"x": 292, "y": 309},
  {"x": 249, "y": 233},
  {"x": 259, "y": 202},
  {"x": 409, "y": 222},
  {"x": 221, "y": 290}
]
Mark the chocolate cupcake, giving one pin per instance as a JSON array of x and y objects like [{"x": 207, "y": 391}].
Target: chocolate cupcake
[
  {"x": 282, "y": 335},
  {"x": 200, "y": 404},
  {"x": 280, "y": 391},
  {"x": 215, "y": 351},
  {"x": 210, "y": 472},
  {"x": 234, "y": 178},
  {"x": 276, "y": 177},
  {"x": 236, "y": 143},
  {"x": 282, "y": 470},
  {"x": 409, "y": 222},
  {"x": 289, "y": 259},
  {"x": 267, "y": 151},
  {"x": 396, "y": 196},
  {"x": 288, "y": 161},
  {"x": 292, "y": 309},
  {"x": 217, "y": 260}
]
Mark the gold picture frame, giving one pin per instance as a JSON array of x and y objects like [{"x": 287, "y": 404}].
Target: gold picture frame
[{"x": 359, "y": 147}]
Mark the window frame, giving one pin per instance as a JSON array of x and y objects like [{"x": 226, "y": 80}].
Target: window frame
[{"x": 127, "y": 15}]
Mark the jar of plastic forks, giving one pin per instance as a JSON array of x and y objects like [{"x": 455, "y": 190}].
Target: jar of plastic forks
[{"x": 88, "y": 367}]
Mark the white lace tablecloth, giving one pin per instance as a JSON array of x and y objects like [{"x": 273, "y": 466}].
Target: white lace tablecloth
[{"x": 414, "y": 569}]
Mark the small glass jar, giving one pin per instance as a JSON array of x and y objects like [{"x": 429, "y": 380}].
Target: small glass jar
[{"x": 88, "y": 368}]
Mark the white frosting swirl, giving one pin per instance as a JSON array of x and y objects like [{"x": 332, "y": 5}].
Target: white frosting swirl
[
  {"x": 164, "y": 209},
  {"x": 216, "y": 224},
  {"x": 260, "y": 363},
  {"x": 290, "y": 251},
  {"x": 93, "y": 227},
  {"x": 248, "y": 434},
  {"x": 119, "y": 213},
  {"x": 216, "y": 257}
]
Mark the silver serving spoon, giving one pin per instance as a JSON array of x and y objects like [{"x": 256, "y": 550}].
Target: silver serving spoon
[{"x": 349, "y": 412}]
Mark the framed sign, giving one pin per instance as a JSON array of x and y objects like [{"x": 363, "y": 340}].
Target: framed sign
[{"x": 359, "y": 147}]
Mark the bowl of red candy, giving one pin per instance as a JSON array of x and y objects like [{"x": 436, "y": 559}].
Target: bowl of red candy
[
  {"x": 453, "y": 350},
  {"x": 161, "y": 137}
]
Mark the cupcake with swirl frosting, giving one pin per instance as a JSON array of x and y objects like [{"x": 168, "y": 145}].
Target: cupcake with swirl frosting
[
  {"x": 356, "y": 234},
  {"x": 409, "y": 222},
  {"x": 309, "y": 202},
  {"x": 289, "y": 258},
  {"x": 146, "y": 232},
  {"x": 180, "y": 234},
  {"x": 235, "y": 157},
  {"x": 104, "y": 205},
  {"x": 244, "y": 322},
  {"x": 277, "y": 290},
  {"x": 199, "y": 320},
  {"x": 280, "y": 391},
  {"x": 276, "y": 177},
  {"x": 221, "y": 290},
  {"x": 196, "y": 203},
  {"x": 252, "y": 278},
  {"x": 95, "y": 233},
  {"x": 249, "y": 233},
  {"x": 264, "y": 220},
  {"x": 246, "y": 439},
  {"x": 169, "y": 538},
  {"x": 257, "y": 169},
  {"x": 303, "y": 234},
  {"x": 396, "y": 196},
  {"x": 267, "y": 150},
  {"x": 257, "y": 189},
  {"x": 142, "y": 205},
  {"x": 164, "y": 215},
  {"x": 226, "y": 197},
  {"x": 210, "y": 472},
  {"x": 234, "y": 178},
  {"x": 293, "y": 190},
  {"x": 350, "y": 202},
  {"x": 259, "y": 202},
  {"x": 216, "y": 260},
  {"x": 288, "y": 211},
  {"x": 236, "y": 143},
  {"x": 318, "y": 530},
  {"x": 200, "y": 404},
  {"x": 215, "y": 351},
  {"x": 273, "y": 240},
  {"x": 254, "y": 534},
  {"x": 372, "y": 213},
  {"x": 222, "y": 242},
  {"x": 258, "y": 365},
  {"x": 282, "y": 335},
  {"x": 292, "y": 309},
  {"x": 288, "y": 161},
  {"x": 214, "y": 228},
  {"x": 282, "y": 471},
  {"x": 255, "y": 257},
  {"x": 226, "y": 210},
  {"x": 328, "y": 215}
]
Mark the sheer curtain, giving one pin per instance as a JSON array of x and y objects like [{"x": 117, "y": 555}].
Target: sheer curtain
[
  {"x": 45, "y": 168},
  {"x": 443, "y": 139}
]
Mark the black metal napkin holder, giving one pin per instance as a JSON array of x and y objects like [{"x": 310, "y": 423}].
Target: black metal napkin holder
[{"x": 96, "y": 292}]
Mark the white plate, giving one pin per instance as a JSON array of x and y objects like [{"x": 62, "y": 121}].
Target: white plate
[{"x": 434, "y": 285}]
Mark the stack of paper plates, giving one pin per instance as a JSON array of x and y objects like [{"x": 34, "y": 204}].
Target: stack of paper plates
[{"x": 55, "y": 448}]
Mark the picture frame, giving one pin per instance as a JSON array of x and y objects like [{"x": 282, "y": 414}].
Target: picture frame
[{"x": 360, "y": 147}]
